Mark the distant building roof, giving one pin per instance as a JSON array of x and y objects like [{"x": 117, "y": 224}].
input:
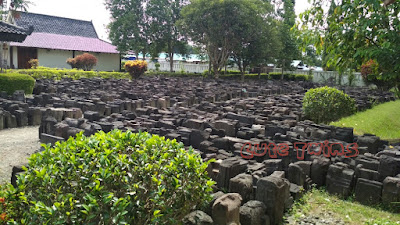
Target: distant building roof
[
  {"x": 64, "y": 42},
  {"x": 9, "y": 32},
  {"x": 56, "y": 25}
]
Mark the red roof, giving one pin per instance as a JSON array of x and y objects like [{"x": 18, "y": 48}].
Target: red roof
[{"x": 64, "y": 42}]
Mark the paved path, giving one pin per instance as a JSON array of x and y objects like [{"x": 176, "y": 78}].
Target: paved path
[{"x": 16, "y": 145}]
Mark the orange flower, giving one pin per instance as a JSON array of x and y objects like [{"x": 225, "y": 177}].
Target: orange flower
[
  {"x": 3, "y": 216},
  {"x": 2, "y": 200}
]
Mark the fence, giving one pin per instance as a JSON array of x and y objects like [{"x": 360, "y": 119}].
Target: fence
[{"x": 328, "y": 77}]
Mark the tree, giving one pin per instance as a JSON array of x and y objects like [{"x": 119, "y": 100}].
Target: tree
[
  {"x": 129, "y": 25},
  {"x": 164, "y": 15},
  {"x": 216, "y": 25},
  {"x": 289, "y": 50},
  {"x": 359, "y": 31},
  {"x": 258, "y": 41}
]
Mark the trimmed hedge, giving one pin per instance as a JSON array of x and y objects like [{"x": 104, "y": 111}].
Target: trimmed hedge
[
  {"x": 326, "y": 104},
  {"x": 58, "y": 74},
  {"x": 111, "y": 178},
  {"x": 11, "y": 82}
]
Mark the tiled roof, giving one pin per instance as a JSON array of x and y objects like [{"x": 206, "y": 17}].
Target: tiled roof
[
  {"x": 9, "y": 32},
  {"x": 56, "y": 25},
  {"x": 64, "y": 42}
]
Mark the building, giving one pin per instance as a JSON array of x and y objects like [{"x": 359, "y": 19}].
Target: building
[{"x": 55, "y": 39}]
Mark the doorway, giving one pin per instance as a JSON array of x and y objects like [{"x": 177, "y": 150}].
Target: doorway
[{"x": 24, "y": 55}]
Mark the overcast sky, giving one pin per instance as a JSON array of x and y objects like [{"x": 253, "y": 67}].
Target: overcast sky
[{"x": 94, "y": 10}]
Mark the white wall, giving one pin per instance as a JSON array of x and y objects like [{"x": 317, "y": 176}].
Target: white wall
[
  {"x": 54, "y": 58},
  {"x": 58, "y": 59},
  {"x": 105, "y": 61}
]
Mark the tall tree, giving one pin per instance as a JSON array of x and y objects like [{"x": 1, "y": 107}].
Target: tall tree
[
  {"x": 216, "y": 25},
  {"x": 358, "y": 31},
  {"x": 129, "y": 25},
  {"x": 259, "y": 43},
  {"x": 289, "y": 50},
  {"x": 163, "y": 16}
]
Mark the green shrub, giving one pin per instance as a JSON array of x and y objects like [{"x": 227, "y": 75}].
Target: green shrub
[
  {"x": 58, "y": 74},
  {"x": 114, "y": 178},
  {"x": 326, "y": 104},
  {"x": 11, "y": 82}
]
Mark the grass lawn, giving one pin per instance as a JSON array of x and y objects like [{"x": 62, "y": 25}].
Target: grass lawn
[
  {"x": 382, "y": 120},
  {"x": 353, "y": 213}
]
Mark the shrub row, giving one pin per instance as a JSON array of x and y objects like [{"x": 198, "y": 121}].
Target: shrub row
[
  {"x": 58, "y": 74},
  {"x": 110, "y": 178},
  {"x": 272, "y": 76},
  {"x": 11, "y": 82}
]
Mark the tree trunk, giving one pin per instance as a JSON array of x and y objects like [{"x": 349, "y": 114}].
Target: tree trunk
[
  {"x": 283, "y": 68},
  {"x": 137, "y": 55},
  {"x": 171, "y": 58},
  {"x": 209, "y": 66},
  {"x": 216, "y": 70}
]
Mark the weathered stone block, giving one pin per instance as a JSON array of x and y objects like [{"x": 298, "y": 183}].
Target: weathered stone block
[
  {"x": 253, "y": 213},
  {"x": 242, "y": 184},
  {"x": 319, "y": 169},
  {"x": 228, "y": 169},
  {"x": 340, "y": 179},
  {"x": 368, "y": 191},
  {"x": 198, "y": 218},
  {"x": 226, "y": 209},
  {"x": 273, "y": 192}
]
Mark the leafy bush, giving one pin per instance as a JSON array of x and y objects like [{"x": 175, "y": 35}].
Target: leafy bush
[
  {"x": 326, "y": 104},
  {"x": 34, "y": 63},
  {"x": 85, "y": 61},
  {"x": 11, "y": 82},
  {"x": 372, "y": 74},
  {"x": 136, "y": 68},
  {"x": 114, "y": 178},
  {"x": 157, "y": 65}
]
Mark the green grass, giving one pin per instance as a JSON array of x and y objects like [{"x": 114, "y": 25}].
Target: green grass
[
  {"x": 382, "y": 120},
  {"x": 319, "y": 201}
]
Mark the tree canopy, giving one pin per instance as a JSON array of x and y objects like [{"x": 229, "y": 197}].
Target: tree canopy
[
  {"x": 354, "y": 33},
  {"x": 224, "y": 27}
]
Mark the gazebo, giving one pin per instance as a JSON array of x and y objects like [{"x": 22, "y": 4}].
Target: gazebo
[{"x": 10, "y": 33}]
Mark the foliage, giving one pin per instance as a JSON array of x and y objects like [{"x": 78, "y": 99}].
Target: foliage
[
  {"x": 129, "y": 27},
  {"x": 326, "y": 104},
  {"x": 353, "y": 32},
  {"x": 289, "y": 50},
  {"x": 257, "y": 42},
  {"x": 34, "y": 63},
  {"x": 6, "y": 208},
  {"x": 11, "y": 82},
  {"x": 218, "y": 25},
  {"x": 372, "y": 74},
  {"x": 157, "y": 65},
  {"x": 113, "y": 178},
  {"x": 164, "y": 15},
  {"x": 85, "y": 61},
  {"x": 58, "y": 74},
  {"x": 136, "y": 68},
  {"x": 382, "y": 120}
]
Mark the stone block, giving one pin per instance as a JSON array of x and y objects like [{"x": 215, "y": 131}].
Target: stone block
[
  {"x": 228, "y": 169},
  {"x": 242, "y": 184},
  {"x": 226, "y": 208},
  {"x": 368, "y": 191},
  {"x": 253, "y": 213},
  {"x": 273, "y": 192}
]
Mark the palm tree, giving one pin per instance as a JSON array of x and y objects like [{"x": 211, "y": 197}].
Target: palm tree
[{"x": 22, "y": 5}]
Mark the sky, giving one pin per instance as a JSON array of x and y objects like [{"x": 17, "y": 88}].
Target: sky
[{"x": 95, "y": 10}]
